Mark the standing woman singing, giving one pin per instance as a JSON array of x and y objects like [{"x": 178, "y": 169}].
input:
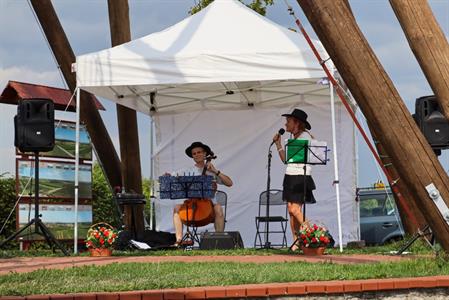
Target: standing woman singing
[{"x": 293, "y": 185}]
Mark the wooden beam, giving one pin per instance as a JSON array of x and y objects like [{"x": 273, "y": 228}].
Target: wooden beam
[
  {"x": 428, "y": 43},
  {"x": 127, "y": 118},
  {"x": 127, "y": 123},
  {"x": 381, "y": 104},
  {"x": 89, "y": 114},
  {"x": 401, "y": 194}
]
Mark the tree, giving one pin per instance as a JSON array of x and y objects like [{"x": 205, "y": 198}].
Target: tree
[
  {"x": 7, "y": 201},
  {"x": 259, "y": 6},
  {"x": 103, "y": 206}
]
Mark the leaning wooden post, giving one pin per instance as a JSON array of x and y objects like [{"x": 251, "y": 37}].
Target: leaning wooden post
[
  {"x": 428, "y": 43},
  {"x": 89, "y": 114},
  {"x": 402, "y": 195},
  {"x": 127, "y": 124},
  {"x": 381, "y": 104}
]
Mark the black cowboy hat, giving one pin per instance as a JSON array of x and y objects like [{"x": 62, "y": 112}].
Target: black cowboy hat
[
  {"x": 300, "y": 115},
  {"x": 198, "y": 144}
]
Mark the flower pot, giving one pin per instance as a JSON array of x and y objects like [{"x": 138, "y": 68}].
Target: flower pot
[
  {"x": 313, "y": 251},
  {"x": 100, "y": 251}
]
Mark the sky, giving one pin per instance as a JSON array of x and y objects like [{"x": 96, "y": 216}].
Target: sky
[{"x": 25, "y": 56}]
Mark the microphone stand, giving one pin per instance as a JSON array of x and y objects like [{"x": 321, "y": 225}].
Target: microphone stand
[{"x": 267, "y": 214}]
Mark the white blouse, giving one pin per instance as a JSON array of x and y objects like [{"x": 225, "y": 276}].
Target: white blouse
[{"x": 298, "y": 169}]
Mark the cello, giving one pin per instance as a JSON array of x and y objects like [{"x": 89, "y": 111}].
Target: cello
[{"x": 198, "y": 212}]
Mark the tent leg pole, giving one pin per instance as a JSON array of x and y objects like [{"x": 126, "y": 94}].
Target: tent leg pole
[
  {"x": 336, "y": 178},
  {"x": 77, "y": 156},
  {"x": 153, "y": 190}
]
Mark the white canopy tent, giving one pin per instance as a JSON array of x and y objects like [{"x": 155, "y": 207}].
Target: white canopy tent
[{"x": 224, "y": 76}]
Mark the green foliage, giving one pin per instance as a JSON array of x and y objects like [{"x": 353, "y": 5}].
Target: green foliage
[
  {"x": 146, "y": 187},
  {"x": 259, "y": 6},
  {"x": 103, "y": 206},
  {"x": 7, "y": 201}
]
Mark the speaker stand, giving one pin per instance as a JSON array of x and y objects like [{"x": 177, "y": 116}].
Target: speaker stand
[
  {"x": 39, "y": 226},
  {"x": 420, "y": 233}
]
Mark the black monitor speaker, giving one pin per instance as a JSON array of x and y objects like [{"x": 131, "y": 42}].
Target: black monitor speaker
[
  {"x": 34, "y": 125},
  {"x": 432, "y": 122},
  {"x": 221, "y": 240}
]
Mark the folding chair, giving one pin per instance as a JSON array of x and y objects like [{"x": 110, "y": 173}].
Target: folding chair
[{"x": 277, "y": 214}]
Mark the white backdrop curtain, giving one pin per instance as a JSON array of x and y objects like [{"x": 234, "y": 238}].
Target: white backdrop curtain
[{"x": 241, "y": 140}]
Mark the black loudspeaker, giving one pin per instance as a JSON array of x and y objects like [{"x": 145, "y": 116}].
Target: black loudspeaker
[
  {"x": 432, "y": 122},
  {"x": 221, "y": 240},
  {"x": 34, "y": 125}
]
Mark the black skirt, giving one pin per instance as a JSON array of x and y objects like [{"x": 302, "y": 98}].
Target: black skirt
[{"x": 294, "y": 189}]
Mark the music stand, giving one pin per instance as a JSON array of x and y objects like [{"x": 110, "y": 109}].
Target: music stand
[
  {"x": 37, "y": 221},
  {"x": 187, "y": 186},
  {"x": 302, "y": 151}
]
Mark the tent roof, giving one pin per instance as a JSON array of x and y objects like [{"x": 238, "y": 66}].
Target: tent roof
[{"x": 225, "y": 57}]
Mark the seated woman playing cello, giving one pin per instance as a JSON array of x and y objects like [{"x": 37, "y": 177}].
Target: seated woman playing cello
[{"x": 199, "y": 152}]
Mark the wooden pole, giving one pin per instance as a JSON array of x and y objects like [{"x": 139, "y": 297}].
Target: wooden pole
[
  {"x": 127, "y": 123},
  {"x": 89, "y": 114},
  {"x": 402, "y": 195},
  {"x": 428, "y": 43},
  {"x": 381, "y": 104},
  {"x": 127, "y": 118}
]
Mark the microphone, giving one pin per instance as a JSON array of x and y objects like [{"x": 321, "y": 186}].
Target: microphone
[{"x": 280, "y": 132}]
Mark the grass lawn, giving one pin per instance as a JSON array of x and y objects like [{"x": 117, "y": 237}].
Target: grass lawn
[{"x": 146, "y": 276}]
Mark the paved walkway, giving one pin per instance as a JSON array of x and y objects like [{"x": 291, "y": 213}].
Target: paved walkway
[{"x": 27, "y": 264}]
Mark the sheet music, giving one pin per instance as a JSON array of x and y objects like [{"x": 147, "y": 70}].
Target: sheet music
[{"x": 181, "y": 187}]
